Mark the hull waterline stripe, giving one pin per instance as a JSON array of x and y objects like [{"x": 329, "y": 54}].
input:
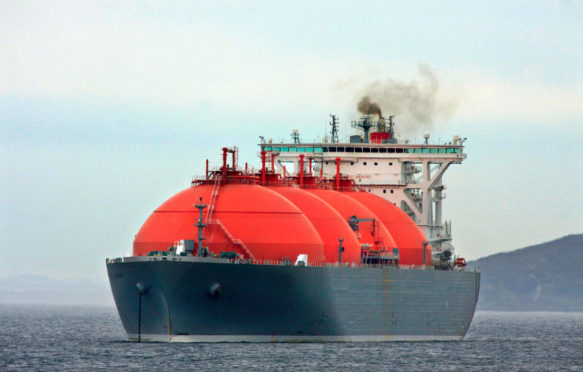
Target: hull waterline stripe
[{"x": 291, "y": 338}]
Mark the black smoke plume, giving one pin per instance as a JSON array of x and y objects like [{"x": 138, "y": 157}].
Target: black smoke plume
[
  {"x": 416, "y": 104},
  {"x": 366, "y": 107}
]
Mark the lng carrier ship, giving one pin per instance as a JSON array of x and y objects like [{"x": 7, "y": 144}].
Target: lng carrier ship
[{"x": 326, "y": 241}]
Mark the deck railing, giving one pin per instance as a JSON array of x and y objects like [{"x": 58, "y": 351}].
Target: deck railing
[{"x": 350, "y": 265}]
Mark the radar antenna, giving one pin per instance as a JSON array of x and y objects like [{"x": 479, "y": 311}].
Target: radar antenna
[
  {"x": 391, "y": 126},
  {"x": 365, "y": 123},
  {"x": 334, "y": 130},
  {"x": 295, "y": 135}
]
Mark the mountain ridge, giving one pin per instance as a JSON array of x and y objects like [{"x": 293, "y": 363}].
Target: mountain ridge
[{"x": 542, "y": 277}]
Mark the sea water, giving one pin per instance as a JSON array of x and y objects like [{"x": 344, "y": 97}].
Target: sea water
[{"x": 81, "y": 338}]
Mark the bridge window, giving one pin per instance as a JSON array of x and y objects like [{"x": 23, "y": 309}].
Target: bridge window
[
  {"x": 382, "y": 150},
  {"x": 358, "y": 149},
  {"x": 276, "y": 149},
  {"x": 318, "y": 149},
  {"x": 366, "y": 149},
  {"x": 350, "y": 149},
  {"x": 284, "y": 149}
]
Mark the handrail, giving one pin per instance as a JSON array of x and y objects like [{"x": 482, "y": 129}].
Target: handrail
[
  {"x": 231, "y": 238},
  {"x": 213, "y": 200}
]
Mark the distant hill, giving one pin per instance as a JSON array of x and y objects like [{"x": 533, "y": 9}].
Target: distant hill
[{"x": 543, "y": 277}]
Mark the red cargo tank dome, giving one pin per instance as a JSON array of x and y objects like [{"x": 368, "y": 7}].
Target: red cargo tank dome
[
  {"x": 248, "y": 219},
  {"x": 173, "y": 220},
  {"x": 348, "y": 207},
  {"x": 407, "y": 235},
  {"x": 327, "y": 221}
]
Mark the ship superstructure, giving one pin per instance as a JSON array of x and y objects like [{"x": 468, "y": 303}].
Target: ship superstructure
[{"x": 408, "y": 175}]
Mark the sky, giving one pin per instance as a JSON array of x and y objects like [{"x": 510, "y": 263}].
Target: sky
[{"x": 109, "y": 108}]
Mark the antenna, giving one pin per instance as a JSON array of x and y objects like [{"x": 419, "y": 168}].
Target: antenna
[
  {"x": 202, "y": 250},
  {"x": 365, "y": 123},
  {"x": 426, "y": 136},
  {"x": 295, "y": 135},
  {"x": 334, "y": 130},
  {"x": 391, "y": 126}
]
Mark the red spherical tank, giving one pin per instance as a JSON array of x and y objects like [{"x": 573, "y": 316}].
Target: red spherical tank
[
  {"x": 247, "y": 219},
  {"x": 407, "y": 235},
  {"x": 327, "y": 221}
]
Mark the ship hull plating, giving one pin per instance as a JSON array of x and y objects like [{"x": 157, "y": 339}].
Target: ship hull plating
[{"x": 190, "y": 300}]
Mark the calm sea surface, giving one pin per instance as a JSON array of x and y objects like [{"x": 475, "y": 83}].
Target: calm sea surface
[{"x": 56, "y": 338}]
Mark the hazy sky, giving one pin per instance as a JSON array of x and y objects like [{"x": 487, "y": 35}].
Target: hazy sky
[{"x": 109, "y": 108}]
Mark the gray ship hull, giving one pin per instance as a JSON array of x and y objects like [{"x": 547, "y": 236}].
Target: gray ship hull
[{"x": 193, "y": 299}]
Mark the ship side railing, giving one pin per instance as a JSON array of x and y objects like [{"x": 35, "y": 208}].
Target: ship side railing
[
  {"x": 351, "y": 265},
  {"x": 333, "y": 264}
]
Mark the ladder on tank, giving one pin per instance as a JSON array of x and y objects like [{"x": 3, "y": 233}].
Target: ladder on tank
[
  {"x": 231, "y": 238},
  {"x": 213, "y": 199}
]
